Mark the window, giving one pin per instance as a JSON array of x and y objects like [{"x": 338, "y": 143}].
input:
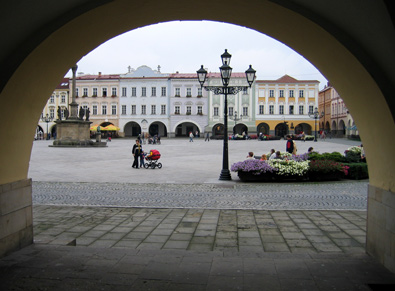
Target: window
[
  {"x": 177, "y": 94},
  {"x": 245, "y": 91},
  {"x": 281, "y": 93},
  {"x": 62, "y": 112},
  {"x": 143, "y": 109},
  {"x": 94, "y": 92},
  {"x": 311, "y": 109},
  {"x": 123, "y": 110},
  {"x": 189, "y": 110},
  {"x": 261, "y": 109},
  {"x": 200, "y": 110},
  {"x": 113, "y": 92},
  {"x": 76, "y": 92},
  {"x": 245, "y": 111},
  {"x": 52, "y": 99},
  {"x": 216, "y": 109},
  {"x": 177, "y": 110},
  {"x": 153, "y": 109},
  {"x": 189, "y": 92},
  {"x": 143, "y": 91},
  {"x": 104, "y": 109},
  {"x": 301, "y": 93},
  {"x": 94, "y": 110},
  {"x": 199, "y": 90},
  {"x": 113, "y": 109},
  {"x": 301, "y": 109},
  {"x": 134, "y": 92},
  {"x": 230, "y": 111},
  {"x": 104, "y": 92},
  {"x": 63, "y": 98},
  {"x": 291, "y": 109},
  {"x": 271, "y": 109},
  {"x": 153, "y": 91},
  {"x": 124, "y": 93},
  {"x": 271, "y": 93},
  {"x": 52, "y": 112},
  {"x": 85, "y": 92},
  {"x": 163, "y": 91},
  {"x": 163, "y": 109},
  {"x": 133, "y": 110},
  {"x": 291, "y": 93},
  {"x": 281, "y": 109}
]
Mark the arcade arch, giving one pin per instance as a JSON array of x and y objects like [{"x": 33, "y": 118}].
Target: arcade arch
[
  {"x": 263, "y": 128},
  {"x": 156, "y": 128},
  {"x": 357, "y": 48},
  {"x": 131, "y": 129},
  {"x": 183, "y": 128}
]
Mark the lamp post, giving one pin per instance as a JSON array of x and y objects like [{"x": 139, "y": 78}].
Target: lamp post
[
  {"x": 316, "y": 115},
  {"x": 225, "y": 90},
  {"x": 47, "y": 119},
  {"x": 236, "y": 119}
]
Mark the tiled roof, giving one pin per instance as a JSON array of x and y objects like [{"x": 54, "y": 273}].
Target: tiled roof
[
  {"x": 98, "y": 77},
  {"x": 64, "y": 84},
  {"x": 287, "y": 79}
]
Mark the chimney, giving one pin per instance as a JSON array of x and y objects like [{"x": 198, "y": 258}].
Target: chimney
[{"x": 99, "y": 74}]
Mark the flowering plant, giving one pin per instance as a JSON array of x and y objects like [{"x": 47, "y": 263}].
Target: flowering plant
[
  {"x": 355, "y": 149},
  {"x": 255, "y": 166},
  {"x": 327, "y": 166},
  {"x": 290, "y": 167}
]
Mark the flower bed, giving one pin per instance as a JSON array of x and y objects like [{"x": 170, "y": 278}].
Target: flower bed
[{"x": 306, "y": 167}]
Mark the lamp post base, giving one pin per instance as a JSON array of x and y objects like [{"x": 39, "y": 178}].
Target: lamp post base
[{"x": 225, "y": 175}]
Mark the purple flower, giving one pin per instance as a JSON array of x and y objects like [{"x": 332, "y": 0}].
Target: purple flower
[{"x": 255, "y": 166}]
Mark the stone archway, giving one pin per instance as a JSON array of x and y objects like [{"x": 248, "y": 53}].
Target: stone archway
[
  {"x": 132, "y": 128},
  {"x": 281, "y": 129},
  {"x": 263, "y": 128},
  {"x": 156, "y": 128},
  {"x": 306, "y": 128},
  {"x": 356, "y": 48}
]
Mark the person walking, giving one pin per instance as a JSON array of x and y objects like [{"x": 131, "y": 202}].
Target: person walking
[
  {"x": 289, "y": 147},
  {"x": 207, "y": 137},
  {"x": 137, "y": 150},
  {"x": 191, "y": 137}
]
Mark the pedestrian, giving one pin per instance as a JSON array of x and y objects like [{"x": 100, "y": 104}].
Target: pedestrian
[
  {"x": 207, "y": 137},
  {"x": 197, "y": 133},
  {"x": 289, "y": 145},
  {"x": 137, "y": 150},
  {"x": 250, "y": 156},
  {"x": 310, "y": 150},
  {"x": 191, "y": 137},
  {"x": 272, "y": 154},
  {"x": 142, "y": 155}
]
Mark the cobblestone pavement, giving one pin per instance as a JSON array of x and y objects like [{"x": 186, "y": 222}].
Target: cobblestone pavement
[{"x": 284, "y": 196}]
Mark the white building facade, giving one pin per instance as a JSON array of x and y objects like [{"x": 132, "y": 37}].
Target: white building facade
[
  {"x": 188, "y": 106},
  {"x": 144, "y": 102}
]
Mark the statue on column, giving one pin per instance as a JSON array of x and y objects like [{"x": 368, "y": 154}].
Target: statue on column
[
  {"x": 81, "y": 114},
  {"x": 66, "y": 113},
  {"x": 59, "y": 113},
  {"x": 87, "y": 113}
]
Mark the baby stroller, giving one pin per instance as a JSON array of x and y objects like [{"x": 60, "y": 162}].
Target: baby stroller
[{"x": 152, "y": 160}]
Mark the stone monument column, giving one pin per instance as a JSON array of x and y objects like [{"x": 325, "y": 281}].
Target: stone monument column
[{"x": 73, "y": 104}]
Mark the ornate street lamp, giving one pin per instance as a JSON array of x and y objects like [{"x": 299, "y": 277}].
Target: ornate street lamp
[
  {"x": 47, "y": 119},
  {"x": 316, "y": 115},
  {"x": 226, "y": 72}
]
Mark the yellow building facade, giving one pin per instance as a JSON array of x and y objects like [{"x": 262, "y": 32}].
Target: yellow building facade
[{"x": 283, "y": 106}]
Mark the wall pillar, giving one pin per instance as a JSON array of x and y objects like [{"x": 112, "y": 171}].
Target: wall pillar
[
  {"x": 16, "y": 216},
  {"x": 381, "y": 226}
]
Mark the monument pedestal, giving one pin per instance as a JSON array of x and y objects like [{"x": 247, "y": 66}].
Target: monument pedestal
[{"x": 74, "y": 133}]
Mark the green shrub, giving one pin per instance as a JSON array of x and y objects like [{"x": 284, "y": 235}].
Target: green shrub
[
  {"x": 357, "y": 171},
  {"x": 335, "y": 156}
]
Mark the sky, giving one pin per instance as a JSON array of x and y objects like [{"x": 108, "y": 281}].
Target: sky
[{"x": 184, "y": 46}]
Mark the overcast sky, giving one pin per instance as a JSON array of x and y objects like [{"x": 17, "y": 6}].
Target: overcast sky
[{"x": 186, "y": 45}]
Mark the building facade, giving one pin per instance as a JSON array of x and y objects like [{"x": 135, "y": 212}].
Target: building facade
[
  {"x": 58, "y": 99},
  {"x": 188, "y": 106},
  {"x": 336, "y": 120},
  {"x": 241, "y": 106},
  {"x": 144, "y": 102},
  {"x": 283, "y": 106},
  {"x": 100, "y": 95}
]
